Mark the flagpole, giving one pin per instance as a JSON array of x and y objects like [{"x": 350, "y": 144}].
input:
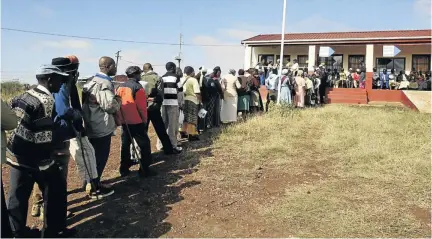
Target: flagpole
[{"x": 281, "y": 51}]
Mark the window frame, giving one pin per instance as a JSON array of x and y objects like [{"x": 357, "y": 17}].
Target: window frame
[
  {"x": 284, "y": 56},
  {"x": 266, "y": 55},
  {"x": 350, "y": 56},
  {"x": 332, "y": 68},
  {"x": 380, "y": 69},
  {"x": 307, "y": 59},
  {"x": 421, "y": 55}
]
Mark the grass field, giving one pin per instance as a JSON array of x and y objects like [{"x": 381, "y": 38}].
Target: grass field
[{"x": 336, "y": 171}]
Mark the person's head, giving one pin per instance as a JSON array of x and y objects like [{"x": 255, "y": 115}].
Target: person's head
[
  {"x": 107, "y": 65},
  {"x": 217, "y": 71},
  {"x": 358, "y": 71},
  {"x": 374, "y": 69},
  {"x": 189, "y": 71},
  {"x": 328, "y": 70},
  {"x": 392, "y": 71},
  {"x": 401, "y": 72},
  {"x": 241, "y": 72},
  {"x": 342, "y": 70},
  {"x": 300, "y": 73},
  {"x": 51, "y": 77},
  {"x": 179, "y": 72},
  {"x": 420, "y": 73},
  {"x": 278, "y": 60},
  {"x": 335, "y": 70},
  {"x": 232, "y": 72},
  {"x": 285, "y": 71},
  {"x": 133, "y": 72},
  {"x": 170, "y": 67},
  {"x": 147, "y": 67},
  {"x": 384, "y": 71},
  {"x": 350, "y": 70},
  {"x": 68, "y": 65},
  {"x": 295, "y": 61}
]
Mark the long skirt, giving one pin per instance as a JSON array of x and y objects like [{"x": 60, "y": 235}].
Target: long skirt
[
  {"x": 190, "y": 118},
  {"x": 213, "y": 111},
  {"x": 229, "y": 109},
  {"x": 243, "y": 103},
  {"x": 299, "y": 97},
  {"x": 285, "y": 96}
]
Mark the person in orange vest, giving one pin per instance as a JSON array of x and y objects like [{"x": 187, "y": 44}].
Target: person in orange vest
[{"x": 133, "y": 117}]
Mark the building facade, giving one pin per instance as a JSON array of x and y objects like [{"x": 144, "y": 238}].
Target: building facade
[{"x": 413, "y": 48}]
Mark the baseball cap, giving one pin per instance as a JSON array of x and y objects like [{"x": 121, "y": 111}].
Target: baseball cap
[
  {"x": 50, "y": 69},
  {"x": 133, "y": 70}
]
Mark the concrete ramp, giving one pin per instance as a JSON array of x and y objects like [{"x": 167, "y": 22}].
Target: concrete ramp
[{"x": 421, "y": 99}]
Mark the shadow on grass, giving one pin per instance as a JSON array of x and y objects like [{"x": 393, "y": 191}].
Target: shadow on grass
[{"x": 139, "y": 207}]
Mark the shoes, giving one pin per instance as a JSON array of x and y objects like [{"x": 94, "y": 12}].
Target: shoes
[
  {"x": 124, "y": 167},
  {"x": 147, "y": 173},
  {"x": 36, "y": 210},
  {"x": 101, "y": 191}
]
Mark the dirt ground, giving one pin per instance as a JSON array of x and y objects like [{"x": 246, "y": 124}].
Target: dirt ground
[{"x": 175, "y": 203}]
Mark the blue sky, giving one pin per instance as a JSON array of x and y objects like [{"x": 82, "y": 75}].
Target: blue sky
[{"x": 203, "y": 22}]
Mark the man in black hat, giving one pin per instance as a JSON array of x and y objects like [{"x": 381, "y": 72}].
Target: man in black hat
[
  {"x": 134, "y": 118},
  {"x": 32, "y": 146}
]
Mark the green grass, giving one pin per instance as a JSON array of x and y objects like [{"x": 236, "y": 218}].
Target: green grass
[{"x": 374, "y": 165}]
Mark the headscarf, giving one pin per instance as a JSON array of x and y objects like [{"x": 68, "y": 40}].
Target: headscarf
[{"x": 284, "y": 71}]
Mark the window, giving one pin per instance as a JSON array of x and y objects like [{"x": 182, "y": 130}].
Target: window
[
  {"x": 390, "y": 63},
  {"x": 355, "y": 60},
  {"x": 332, "y": 62},
  {"x": 302, "y": 61},
  {"x": 266, "y": 58},
  {"x": 421, "y": 62},
  {"x": 286, "y": 59}
]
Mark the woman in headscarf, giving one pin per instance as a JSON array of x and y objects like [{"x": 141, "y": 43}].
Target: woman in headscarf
[
  {"x": 192, "y": 99},
  {"x": 214, "y": 93},
  {"x": 230, "y": 84},
  {"x": 300, "y": 87},
  {"x": 285, "y": 97},
  {"x": 243, "y": 104},
  {"x": 204, "y": 99}
]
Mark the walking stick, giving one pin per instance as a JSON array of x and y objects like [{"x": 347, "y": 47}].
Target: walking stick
[{"x": 132, "y": 140}]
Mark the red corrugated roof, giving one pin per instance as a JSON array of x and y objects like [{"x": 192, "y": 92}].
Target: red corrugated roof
[{"x": 343, "y": 35}]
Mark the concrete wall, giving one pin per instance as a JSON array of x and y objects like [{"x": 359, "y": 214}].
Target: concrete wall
[{"x": 406, "y": 51}]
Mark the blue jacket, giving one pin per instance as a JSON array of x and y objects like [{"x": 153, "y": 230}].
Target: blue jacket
[
  {"x": 65, "y": 99},
  {"x": 384, "y": 77}
]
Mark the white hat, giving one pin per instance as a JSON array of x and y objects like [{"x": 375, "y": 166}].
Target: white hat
[
  {"x": 50, "y": 69},
  {"x": 284, "y": 71}
]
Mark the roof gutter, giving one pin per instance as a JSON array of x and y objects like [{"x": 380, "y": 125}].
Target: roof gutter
[{"x": 338, "y": 39}]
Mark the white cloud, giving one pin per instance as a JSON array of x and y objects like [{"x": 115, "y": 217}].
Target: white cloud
[
  {"x": 71, "y": 43},
  {"x": 226, "y": 57},
  {"x": 423, "y": 6},
  {"x": 42, "y": 11}
]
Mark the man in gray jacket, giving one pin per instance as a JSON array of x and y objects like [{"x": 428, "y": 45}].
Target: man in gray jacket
[{"x": 100, "y": 104}]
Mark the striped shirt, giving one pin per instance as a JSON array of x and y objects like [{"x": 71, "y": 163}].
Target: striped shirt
[{"x": 171, "y": 86}]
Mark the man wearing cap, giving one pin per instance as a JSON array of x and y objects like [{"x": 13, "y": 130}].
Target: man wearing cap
[
  {"x": 153, "y": 87},
  {"x": 32, "y": 145},
  {"x": 100, "y": 105},
  {"x": 134, "y": 120}
]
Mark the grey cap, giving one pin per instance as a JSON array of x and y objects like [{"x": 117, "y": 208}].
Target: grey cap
[{"x": 50, "y": 69}]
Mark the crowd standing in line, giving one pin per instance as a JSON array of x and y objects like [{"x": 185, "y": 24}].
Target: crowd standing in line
[{"x": 51, "y": 123}]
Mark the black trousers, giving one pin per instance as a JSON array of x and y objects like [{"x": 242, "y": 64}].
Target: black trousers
[
  {"x": 139, "y": 133},
  {"x": 6, "y": 231},
  {"x": 155, "y": 117},
  {"x": 322, "y": 94},
  {"x": 102, "y": 148},
  {"x": 52, "y": 184}
]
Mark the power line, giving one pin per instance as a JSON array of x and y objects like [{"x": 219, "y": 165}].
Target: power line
[{"x": 114, "y": 40}]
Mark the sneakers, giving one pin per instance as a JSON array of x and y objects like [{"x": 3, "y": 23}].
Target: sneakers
[
  {"x": 99, "y": 192},
  {"x": 124, "y": 167},
  {"x": 36, "y": 210}
]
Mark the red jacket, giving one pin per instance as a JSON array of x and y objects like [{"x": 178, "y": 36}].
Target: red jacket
[{"x": 134, "y": 103}]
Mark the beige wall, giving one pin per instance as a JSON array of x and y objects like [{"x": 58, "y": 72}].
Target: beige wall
[{"x": 406, "y": 51}]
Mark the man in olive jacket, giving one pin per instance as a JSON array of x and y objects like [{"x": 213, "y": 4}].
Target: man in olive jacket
[{"x": 153, "y": 88}]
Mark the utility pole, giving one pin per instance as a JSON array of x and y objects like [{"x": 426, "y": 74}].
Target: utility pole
[
  {"x": 117, "y": 57},
  {"x": 179, "y": 57}
]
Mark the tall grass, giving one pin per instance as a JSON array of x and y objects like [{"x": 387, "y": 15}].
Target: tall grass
[{"x": 10, "y": 90}]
